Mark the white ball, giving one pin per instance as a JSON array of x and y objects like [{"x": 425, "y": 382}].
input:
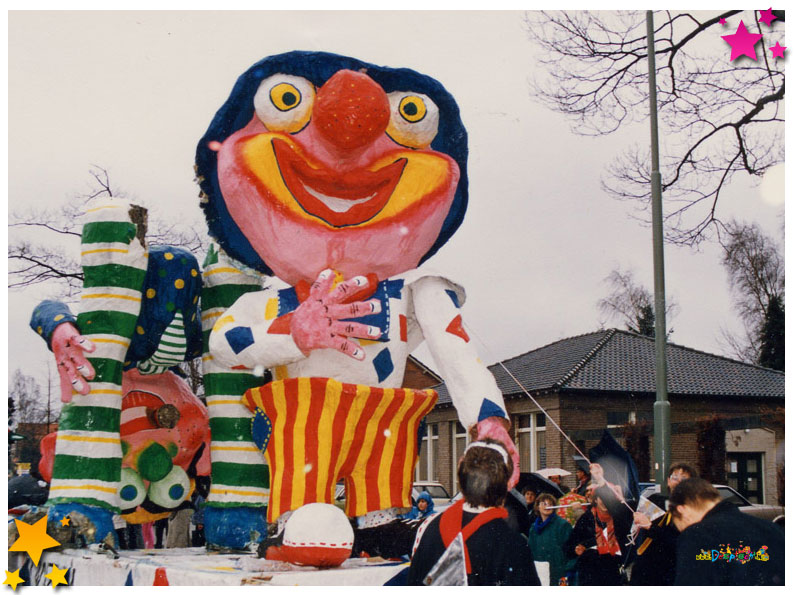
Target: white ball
[{"x": 317, "y": 535}]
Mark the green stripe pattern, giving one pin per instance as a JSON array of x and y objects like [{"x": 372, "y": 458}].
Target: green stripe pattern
[
  {"x": 87, "y": 466},
  {"x": 239, "y": 473}
]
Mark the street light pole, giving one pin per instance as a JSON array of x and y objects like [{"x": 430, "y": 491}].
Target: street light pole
[{"x": 661, "y": 408}]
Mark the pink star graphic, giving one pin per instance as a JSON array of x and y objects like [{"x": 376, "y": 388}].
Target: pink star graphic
[
  {"x": 767, "y": 17},
  {"x": 777, "y": 50},
  {"x": 723, "y": 22},
  {"x": 742, "y": 42}
]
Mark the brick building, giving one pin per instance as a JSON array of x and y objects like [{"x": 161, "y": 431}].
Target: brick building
[{"x": 606, "y": 379}]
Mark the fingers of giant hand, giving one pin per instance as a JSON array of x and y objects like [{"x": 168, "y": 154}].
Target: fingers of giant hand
[
  {"x": 354, "y": 310},
  {"x": 355, "y": 329},
  {"x": 347, "y": 347},
  {"x": 322, "y": 284},
  {"x": 347, "y": 290},
  {"x": 66, "y": 385},
  {"x": 66, "y": 367},
  {"x": 83, "y": 343},
  {"x": 81, "y": 364}
]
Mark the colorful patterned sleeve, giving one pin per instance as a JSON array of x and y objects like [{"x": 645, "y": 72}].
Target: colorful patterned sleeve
[
  {"x": 256, "y": 330},
  {"x": 472, "y": 387},
  {"x": 48, "y": 315}
]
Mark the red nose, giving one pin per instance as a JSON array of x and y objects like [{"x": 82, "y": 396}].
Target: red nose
[{"x": 351, "y": 110}]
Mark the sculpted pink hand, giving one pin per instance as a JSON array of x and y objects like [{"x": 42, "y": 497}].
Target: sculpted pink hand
[
  {"x": 318, "y": 323},
  {"x": 69, "y": 346},
  {"x": 496, "y": 429}
]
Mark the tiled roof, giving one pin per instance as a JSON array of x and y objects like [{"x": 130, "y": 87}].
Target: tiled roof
[{"x": 614, "y": 360}]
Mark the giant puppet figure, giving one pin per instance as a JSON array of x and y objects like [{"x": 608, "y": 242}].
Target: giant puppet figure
[{"x": 327, "y": 182}]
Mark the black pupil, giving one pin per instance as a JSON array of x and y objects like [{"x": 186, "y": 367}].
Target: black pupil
[
  {"x": 410, "y": 109},
  {"x": 289, "y": 98}
]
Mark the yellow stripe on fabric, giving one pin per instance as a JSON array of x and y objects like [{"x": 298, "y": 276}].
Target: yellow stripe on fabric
[
  {"x": 353, "y": 414},
  {"x": 277, "y": 487},
  {"x": 116, "y": 341},
  {"x": 410, "y": 451},
  {"x": 222, "y": 322},
  {"x": 110, "y": 295},
  {"x": 85, "y": 487},
  {"x": 271, "y": 309},
  {"x": 390, "y": 443},
  {"x": 62, "y": 436},
  {"x": 238, "y": 448},
  {"x": 365, "y": 452},
  {"x": 209, "y": 315},
  {"x": 104, "y": 391},
  {"x": 333, "y": 394},
  {"x": 95, "y": 209},
  {"x": 101, "y": 250},
  {"x": 212, "y": 402},
  {"x": 299, "y": 442},
  {"x": 207, "y": 358},
  {"x": 215, "y": 271},
  {"x": 223, "y": 491},
  {"x": 281, "y": 373}
]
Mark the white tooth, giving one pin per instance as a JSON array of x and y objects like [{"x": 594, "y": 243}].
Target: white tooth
[{"x": 337, "y": 205}]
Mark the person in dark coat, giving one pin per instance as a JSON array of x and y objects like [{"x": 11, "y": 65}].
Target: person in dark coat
[
  {"x": 494, "y": 553},
  {"x": 719, "y": 544},
  {"x": 582, "y": 481},
  {"x": 654, "y": 564},
  {"x": 599, "y": 536}
]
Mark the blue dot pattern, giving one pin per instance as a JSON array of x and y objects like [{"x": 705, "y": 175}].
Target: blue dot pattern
[{"x": 240, "y": 338}]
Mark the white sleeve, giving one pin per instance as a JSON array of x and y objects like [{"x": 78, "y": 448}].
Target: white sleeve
[
  {"x": 471, "y": 385},
  {"x": 252, "y": 333}
]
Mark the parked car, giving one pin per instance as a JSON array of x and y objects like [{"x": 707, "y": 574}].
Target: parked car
[{"x": 728, "y": 494}]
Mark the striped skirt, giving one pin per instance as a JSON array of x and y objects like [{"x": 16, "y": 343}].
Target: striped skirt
[{"x": 324, "y": 431}]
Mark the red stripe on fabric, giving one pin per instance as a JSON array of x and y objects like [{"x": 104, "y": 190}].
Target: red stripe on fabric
[
  {"x": 160, "y": 578},
  {"x": 137, "y": 398},
  {"x": 376, "y": 454},
  {"x": 403, "y": 328},
  {"x": 240, "y": 367},
  {"x": 339, "y": 428},
  {"x": 375, "y": 397},
  {"x": 311, "y": 442},
  {"x": 290, "y": 474},
  {"x": 451, "y": 523},
  {"x": 455, "y": 327},
  {"x": 399, "y": 487}
]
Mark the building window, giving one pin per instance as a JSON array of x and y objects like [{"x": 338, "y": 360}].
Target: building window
[
  {"x": 460, "y": 438},
  {"x": 618, "y": 419},
  {"x": 531, "y": 441},
  {"x": 428, "y": 455}
]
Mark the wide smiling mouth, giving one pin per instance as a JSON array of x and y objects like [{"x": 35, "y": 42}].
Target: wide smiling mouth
[{"x": 341, "y": 199}]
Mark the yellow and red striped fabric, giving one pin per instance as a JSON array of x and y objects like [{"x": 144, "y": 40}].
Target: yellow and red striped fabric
[{"x": 325, "y": 430}]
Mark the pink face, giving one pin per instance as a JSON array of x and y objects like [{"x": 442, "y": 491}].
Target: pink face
[{"x": 340, "y": 178}]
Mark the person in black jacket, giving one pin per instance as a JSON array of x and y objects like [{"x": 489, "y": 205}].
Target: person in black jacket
[
  {"x": 495, "y": 554},
  {"x": 721, "y": 545},
  {"x": 655, "y": 554},
  {"x": 599, "y": 536}
]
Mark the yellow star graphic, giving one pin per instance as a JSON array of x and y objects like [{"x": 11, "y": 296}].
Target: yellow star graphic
[
  {"x": 57, "y": 576},
  {"x": 12, "y": 579},
  {"x": 33, "y": 539},
  {"x": 65, "y": 521}
]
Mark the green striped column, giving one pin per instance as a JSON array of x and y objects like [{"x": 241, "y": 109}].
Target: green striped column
[
  {"x": 87, "y": 466},
  {"x": 239, "y": 474}
]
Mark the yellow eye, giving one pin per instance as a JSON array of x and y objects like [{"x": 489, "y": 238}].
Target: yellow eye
[
  {"x": 414, "y": 119},
  {"x": 412, "y": 108},
  {"x": 283, "y": 103},
  {"x": 285, "y": 97}
]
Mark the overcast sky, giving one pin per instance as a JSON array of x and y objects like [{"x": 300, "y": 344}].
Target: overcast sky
[{"x": 134, "y": 91}]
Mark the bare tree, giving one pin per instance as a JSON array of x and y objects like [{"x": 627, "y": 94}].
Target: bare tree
[
  {"x": 632, "y": 304},
  {"x": 30, "y": 405},
  {"x": 756, "y": 272},
  {"x": 718, "y": 118},
  {"x": 44, "y": 243}
]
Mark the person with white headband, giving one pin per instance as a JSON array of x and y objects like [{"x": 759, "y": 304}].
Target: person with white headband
[{"x": 494, "y": 554}]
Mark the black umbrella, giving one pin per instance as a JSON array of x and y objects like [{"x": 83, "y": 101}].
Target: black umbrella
[
  {"x": 618, "y": 465},
  {"x": 538, "y": 484},
  {"x": 26, "y": 489}
]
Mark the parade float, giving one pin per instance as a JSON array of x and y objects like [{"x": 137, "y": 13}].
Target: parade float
[{"x": 326, "y": 183}]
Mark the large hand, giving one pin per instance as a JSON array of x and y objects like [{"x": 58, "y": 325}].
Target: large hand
[
  {"x": 68, "y": 346},
  {"x": 496, "y": 429},
  {"x": 318, "y": 322}
]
